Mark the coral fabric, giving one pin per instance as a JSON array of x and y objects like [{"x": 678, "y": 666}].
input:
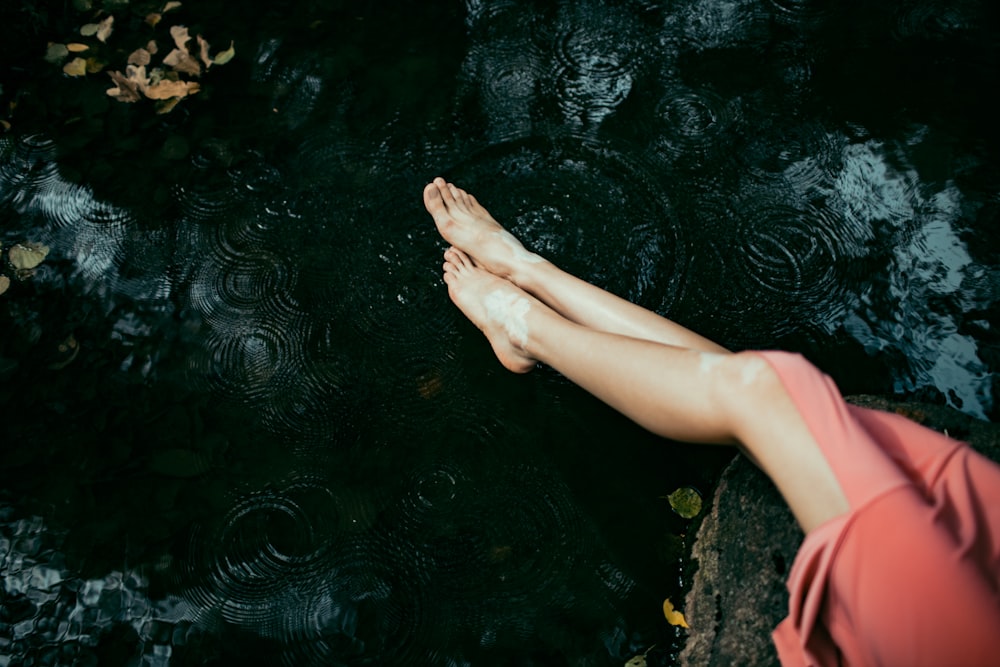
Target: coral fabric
[{"x": 910, "y": 575}]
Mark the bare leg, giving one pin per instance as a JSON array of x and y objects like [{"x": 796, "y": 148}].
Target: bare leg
[
  {"x": 464, "y": 223},
  {"x": 675, "y": 392}
]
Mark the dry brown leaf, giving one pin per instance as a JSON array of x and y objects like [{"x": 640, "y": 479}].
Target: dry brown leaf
[
  {"x": 125, "y": 90},
  {"x": 152, "y": 47},
  {"x": 153, "y": 19},
  {"x": 166, "y": 89},
  {"x": 166, "y": 106},
  {"x": 94, "y": 65},
  {"x": 203, "y": 51},
  {"x": 170, "y": 5},
  {"x": 76, "y": 47},
  {"x": 104, "y": 28},
  {"x": 76, "y": 67},
  {"x": 4, "y": 284},
  {"x": 139, "y": 57},
  {"x": 182, "y": 61},
  {"x": 180, "y": 36}
]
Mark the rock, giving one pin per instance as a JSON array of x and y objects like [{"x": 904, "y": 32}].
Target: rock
[{"x": 748, "y": 541}]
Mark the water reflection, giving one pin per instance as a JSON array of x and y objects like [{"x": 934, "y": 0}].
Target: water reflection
[{"x": 282, "y": 443}]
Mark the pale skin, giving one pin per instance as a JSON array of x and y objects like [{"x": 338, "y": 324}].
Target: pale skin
[{"x": 663, "y": 376}]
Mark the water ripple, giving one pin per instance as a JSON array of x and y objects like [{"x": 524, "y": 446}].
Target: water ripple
[{"x": 695, "y": 125}]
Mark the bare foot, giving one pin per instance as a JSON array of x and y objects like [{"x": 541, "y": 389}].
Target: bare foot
[
  {"x": 469, "y": 227},
  {"x": 496, "y": 306}
]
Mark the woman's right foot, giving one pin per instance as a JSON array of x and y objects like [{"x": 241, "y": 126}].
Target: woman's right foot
[
  {"x": 469, "y": 227},
  {"x": 496, "y": 306}
]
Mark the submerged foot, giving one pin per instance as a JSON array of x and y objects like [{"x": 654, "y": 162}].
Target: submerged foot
[
  {"x": 496, "y": 306},
  {"x": 469, "y": 227}
]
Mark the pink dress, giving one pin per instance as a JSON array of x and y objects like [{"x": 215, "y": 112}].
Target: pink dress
[{"x": 910, "y": 576}]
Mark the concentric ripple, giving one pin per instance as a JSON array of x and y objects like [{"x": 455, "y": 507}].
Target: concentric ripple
[
  {"x": 695, "y": 125},
  {"x": 934, "y": 20},
  {"x": 588, "y": 208},
  {"x": 596, "y": 67}
]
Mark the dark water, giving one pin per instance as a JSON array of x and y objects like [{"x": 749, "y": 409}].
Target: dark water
[{"x": 242, "y": 424}]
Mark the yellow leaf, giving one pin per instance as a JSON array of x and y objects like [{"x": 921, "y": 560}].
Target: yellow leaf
[
  {"x": 94, "y": 65},
  {"x": 686, "y": 501},
  {"x": 27, "y": 255},
  {"x": 4, "y": 284},
  {"x": 673, "y": 616},
  {"x": 153, "y": 19},
  {"x": 76, "y": 67},
  {"x": 76, "y": 47},
  {"x": 89, "y": 30},
  {"x": 223, "y": 57}
]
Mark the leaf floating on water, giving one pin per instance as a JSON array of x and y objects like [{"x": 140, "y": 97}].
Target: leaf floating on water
[
  {"x": 140, "y": 57},
  {"x": 637, "y": 661},
  {"x": 167, "y": 88},
  {"x": 223, "y": 57},
  {"x": 104, "y": 28},
  {"x": 26, "y": 256},
  {"x": 4, "y": 284},
  {"x": 55, "y": 53},
  {"x": 170, "y": 5},
  {"x": 125, "y": 90},
  {"x": 77, "y": 47},
  {"x": 90, "y": 29},
  {"x": 94, "y": 65},
  {"x": 673, "y": 616},
  {"x": 76, "y": 67},
  {"x": 68, "y": 349},
  {"x": 180, "y": 58},
  {"x": 686, "y": 501}
]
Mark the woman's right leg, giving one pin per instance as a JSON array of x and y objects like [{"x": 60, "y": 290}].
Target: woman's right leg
[
  {"x": 464, "y": 223},
  {"x": 675, "y": 392}
]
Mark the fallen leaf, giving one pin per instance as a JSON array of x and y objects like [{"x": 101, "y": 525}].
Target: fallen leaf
[
  {"x": 637, "y": 661},
  {"x": 180, "y": 35},
  {"x": 94, "y": 65},
  {"x": 203, "y": 51},
  {"x": 182, "y": 61},
  {"x": 125, "y": 90},
  {"x": 153, "y": 19},
  {"x": 152, "y": 47},
  {"x": 27, "y": 255},
  {"x": 76, "y": 47},
  {"x": 4, "y": 284},
  {"x": 55, "y": 53},
  {"x": 170, "y": 5},
  {"x": 4, "y": 124},
  {"x": 68, "y": 349},
  {"x": 140, "y": 57},
  {"x": 166, "y": 106},
  {"x": 166, "y": 89},
  {"x": 76, "y": 67},
  {"x": 686, "y": 501},
  {"x": 673, "y": 616},
  {"x": 90, "y": 29},
  {"x": 224, "y": 57},
  {"x": 104, "y": 28}
]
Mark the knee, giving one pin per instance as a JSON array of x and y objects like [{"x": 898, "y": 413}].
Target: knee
[{"x": 746, "y": 385}]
